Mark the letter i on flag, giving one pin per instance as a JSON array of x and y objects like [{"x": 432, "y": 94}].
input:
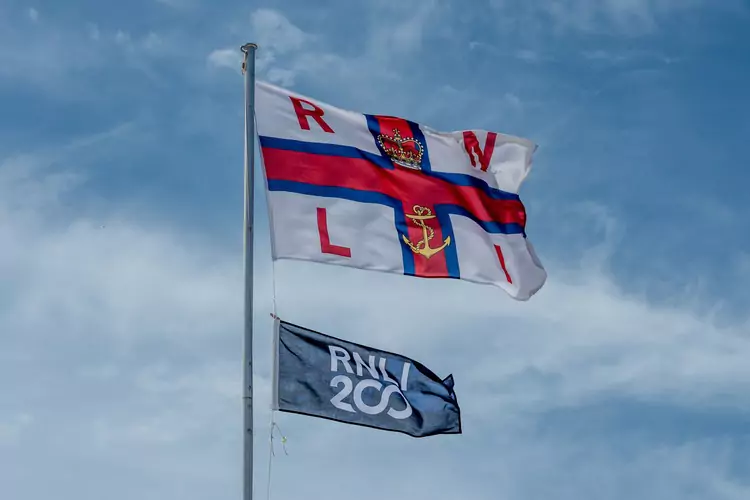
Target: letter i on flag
[
  {"x": 386, "y": 194},
  {"x": 321, "y": 376}
]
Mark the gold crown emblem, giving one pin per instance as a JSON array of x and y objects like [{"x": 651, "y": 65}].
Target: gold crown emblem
[{"x": 394, "y": 148}]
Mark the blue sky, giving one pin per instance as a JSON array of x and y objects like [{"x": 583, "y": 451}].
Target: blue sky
[{"x": 120, "y": 249}]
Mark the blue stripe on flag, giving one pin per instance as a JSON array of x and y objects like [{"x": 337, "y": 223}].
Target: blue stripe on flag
[
  {"x": 451, "y": 251},
  {"x": 491, "y": 227},
  {"x": 418, "y": 135},
  {"x": 325, "y": 149}
]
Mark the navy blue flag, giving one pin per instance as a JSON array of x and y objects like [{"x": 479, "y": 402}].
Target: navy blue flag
[{"x": 322, "y": 376}]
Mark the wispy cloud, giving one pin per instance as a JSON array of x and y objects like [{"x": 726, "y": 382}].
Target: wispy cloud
[
  {"x": 179, "y": 4},
  {"x": 120, "y": 286},
  {"x": 629, "y": 57},
  {"x": 278, "y": 38},
  {"x": 10, "y": 430},
  {"x": 121, "y": 301},
  {"x": 225, "y": 58},
  {"x": 287, "y": 52},
  {"x": 613, "y": 17},
  {"x": 88, "y": 51},
  {"x": 393, "y": 42}
]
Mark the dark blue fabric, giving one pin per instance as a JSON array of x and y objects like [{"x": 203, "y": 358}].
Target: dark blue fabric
[{"x": 326, "y": 377}]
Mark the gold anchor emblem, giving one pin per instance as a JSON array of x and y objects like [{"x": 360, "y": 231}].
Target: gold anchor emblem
[{"x": 422, "y": 247}]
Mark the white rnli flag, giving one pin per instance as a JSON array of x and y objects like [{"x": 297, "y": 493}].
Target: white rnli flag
[{"x": 386, "y": 194}]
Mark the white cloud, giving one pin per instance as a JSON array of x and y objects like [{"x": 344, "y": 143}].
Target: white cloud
[
  {"x": 225, "y": 58},
  {"x": 627, "y": 56},
  {"x": 84, "y": 255},
  {"x": 162, "y": 312},
  {"x": 275, "y": 33},
  {"x": 179, "y": 4},
  {"x": 12, "y": 428},
  {"x": 93, "y": 31},
  {"x": 88, "y": 50},
  {"x": 287, "y": 51},
  {"x": 404, "y": 32},
  {"x": 629, "y": 17},
  {"x": 278, "y": 40},
  {"x": 33, "y": 14},
  {"x": 151, "y": 43},
  {"x": 84, "y": 301},
  {"x": 122, "y": 37},
  {"x": 281, "y": 76},
  {"x": 232, "y": 59},
  {"x": 126, "y": 334},
  {"x": 513, "y": 100},
  {"x": 580, "y": 330},
  {"x": 528, "y": 55},
  {"x": 20, "y": 56}
]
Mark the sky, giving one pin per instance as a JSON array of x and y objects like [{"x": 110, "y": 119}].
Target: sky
[{"x": 121, "y": 156}]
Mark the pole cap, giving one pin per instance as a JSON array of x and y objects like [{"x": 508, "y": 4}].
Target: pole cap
[{"x": 246, "y": 49}]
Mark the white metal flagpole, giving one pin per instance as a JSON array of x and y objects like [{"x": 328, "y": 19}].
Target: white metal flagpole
[{"x": 248, "y": 68}]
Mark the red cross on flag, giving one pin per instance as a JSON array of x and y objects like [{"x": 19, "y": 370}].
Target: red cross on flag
[{"x": 386, "y": 194}]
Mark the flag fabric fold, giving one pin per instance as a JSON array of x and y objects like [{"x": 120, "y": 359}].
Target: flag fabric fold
[
  {"x": 322, "y": 376},
  {"x": 383, "y": 193}
]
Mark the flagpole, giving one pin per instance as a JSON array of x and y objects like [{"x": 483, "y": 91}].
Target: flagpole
[{"x": 248, "y": 68}]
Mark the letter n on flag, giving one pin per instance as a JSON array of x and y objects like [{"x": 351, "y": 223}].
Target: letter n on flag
[
  {"x": 386, "y": 194},
  {"x": 321, "y": 376}
]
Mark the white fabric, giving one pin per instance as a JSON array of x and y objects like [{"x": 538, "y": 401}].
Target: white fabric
[
  {"x": 276, "y": 118},
  {"x": 374, "y": 245},
  {"x": 369, "y": 229},
  {"x": 479, "y": 262}
]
